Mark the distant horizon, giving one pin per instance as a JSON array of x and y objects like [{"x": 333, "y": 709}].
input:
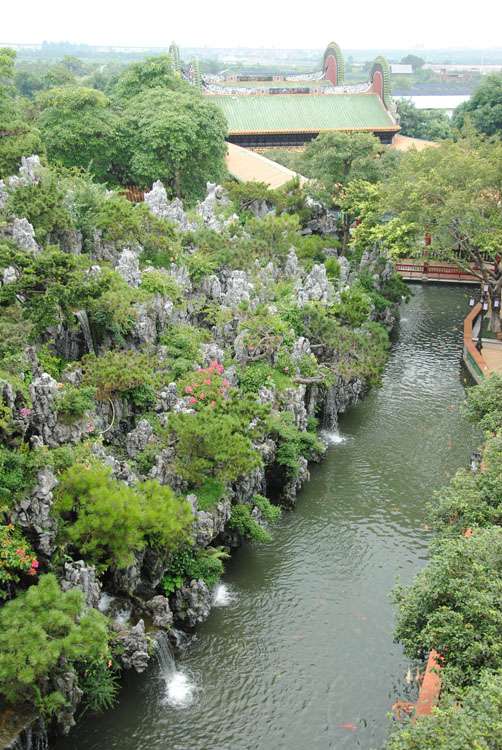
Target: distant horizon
[{"x": 157, "y": 45}]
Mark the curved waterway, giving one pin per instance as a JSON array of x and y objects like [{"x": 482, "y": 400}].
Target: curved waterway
[{"x": 299, "y": 653}]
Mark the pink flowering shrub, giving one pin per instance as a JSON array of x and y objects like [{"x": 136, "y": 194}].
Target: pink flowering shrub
[
  {"x": 16, "y": 559},
  {"x": 206, "y": 386}
]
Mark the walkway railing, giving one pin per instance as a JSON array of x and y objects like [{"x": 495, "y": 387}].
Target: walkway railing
[
  {"x": 419, "y": 270},
  {"x": 473, "y": 358}
]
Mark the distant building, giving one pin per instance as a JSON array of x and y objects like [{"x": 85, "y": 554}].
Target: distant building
[
  {"x": 461, "y": 70},
  {"x": 398, "y": 69},
  {"x": 291, "y": 110}
]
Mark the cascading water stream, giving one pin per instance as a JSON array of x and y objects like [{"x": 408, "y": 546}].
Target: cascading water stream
[
  {"x": 83, "y": 319},
  {"x": 33, "y": 737},
  {"x": 180, "y": 686}
]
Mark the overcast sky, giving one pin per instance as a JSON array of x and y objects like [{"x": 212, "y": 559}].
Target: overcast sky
[{"x": 376, "y": 24}]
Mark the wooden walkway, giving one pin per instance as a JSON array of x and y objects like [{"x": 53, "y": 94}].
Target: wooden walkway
[{"x": 431, "y": 271}]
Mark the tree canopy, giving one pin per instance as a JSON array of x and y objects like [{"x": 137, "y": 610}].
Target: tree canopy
[
  {"x": 17, "y": 136},
  {"x": 78, "y": 128},
  {"x": 484, "y": 108}
]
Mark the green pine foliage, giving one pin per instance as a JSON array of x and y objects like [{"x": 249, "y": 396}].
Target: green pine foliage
[
  {"x": 108, "y": 521},
  {"x": 40, "y": 628}
]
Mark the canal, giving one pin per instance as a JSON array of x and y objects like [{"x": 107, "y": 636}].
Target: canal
[{"x": 302, "y": 656}]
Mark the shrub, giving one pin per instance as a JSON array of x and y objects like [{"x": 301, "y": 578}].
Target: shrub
[
  {"x": 209, "y": 494},
  {"x": 212, "y": 445},
  {"x": 245, "y": 525},
  {"x": 16, "y": 559},
  {"x": 484, "y": 404},
  {"x": 472, "y": 499},
  {"x": 187, "y": 564},
  {"x": 108, "y": 521},
  {"x": 160, "y": 282},
  {"x": 182, "y": 343},
  {"x": 255, "y": 375},
  {"x": 271, "y": 513},
  {"x": 44, "y": 205},
  {"x": 100, "y": 684},
  {"x": 206, "y": 386},
  {"x": 293, "y": 443},
  {"x": 18, "y": 470},
  {"x": 471, "y": 720},
  {"x": 453, "y": 606},
  {"x": 40, "y": 628},
  {"x": 73, "y": 402},
  {"x": 355, "y": 306},
  {"x": 117, "y": 372}
]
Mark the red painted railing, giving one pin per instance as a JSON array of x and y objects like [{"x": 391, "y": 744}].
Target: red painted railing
[
  {"x": 425, "y": 271},
  {"x": 134, "y": 194}
]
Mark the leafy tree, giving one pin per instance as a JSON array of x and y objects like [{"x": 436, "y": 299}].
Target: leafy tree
[
  {"x": 484, "y": 108},
  {"x": 78, "y": 128},
  {"x": 453, "y": 192},
  {"x": 174, "y": 136},
  {"x": 336, "y": 158},
  {"x": 484, "y": 404},
  {"x": 415, "y": 61},
  {"x": 39, "y": 630},
  {"x": 17, "y": 137},
  {"x": 58, "y": 75},
  {"x": 427, "y": 124},
  {"x": 152, "y": 73}
]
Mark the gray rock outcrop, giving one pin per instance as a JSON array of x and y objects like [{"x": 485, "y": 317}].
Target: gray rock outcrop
[
  {"x": 159, "y": 608},
  {"x": 134, "y": 648},
  {"x": 192, "y": 604},
  {"x": 23, "y": 235},
  {"x": 81, "y": 576},
  {"x": 33, "y": 513},
  {"x": 128, "y": 267},
  {"x": 157, "y": 202},
  {"x": 208, "y": 524},
  {"x": 315, "y": 287},
  {"x": 139, "y": 438}
]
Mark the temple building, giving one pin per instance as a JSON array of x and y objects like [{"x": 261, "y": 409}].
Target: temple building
[{"x": 291, "y": 110}]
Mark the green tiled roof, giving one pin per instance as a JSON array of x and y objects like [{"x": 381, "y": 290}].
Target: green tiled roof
[{"x": 283, "y": 113}]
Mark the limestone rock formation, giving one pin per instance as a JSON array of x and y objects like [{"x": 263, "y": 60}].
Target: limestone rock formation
[
  {"x": 208, "y": 524},
  {"x": 192, "y": 604},
  {"x": 81, "y": 576},
  {"x": 134, "y": 648},
  {"x": 162, "y": 617},
  {"x": 33, "y": 513},
  {"x": 23, "y": 234},
  {"x": 138, "y": 439},
  {"x": 128, "y": 267},
  {"x": 29, "y": 172},
  {"x": 157, "y": 202},
  {"x": 315, "y": 287}
]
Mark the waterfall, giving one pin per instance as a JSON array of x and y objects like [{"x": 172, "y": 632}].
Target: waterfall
[
  {"x": 330, "y": 410},
  {"x": 83, "y": 319},
  {"x": 223, "y": 595},
  {"x": 180, "y": 687},
  {"x": 33, "y": 737}
]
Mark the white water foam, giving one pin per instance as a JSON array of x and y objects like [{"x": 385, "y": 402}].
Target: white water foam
[
  {"x": 333, "y": 437},
  {"x": 180, "y": 687},
  {"x": 223, "y": 595}
]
